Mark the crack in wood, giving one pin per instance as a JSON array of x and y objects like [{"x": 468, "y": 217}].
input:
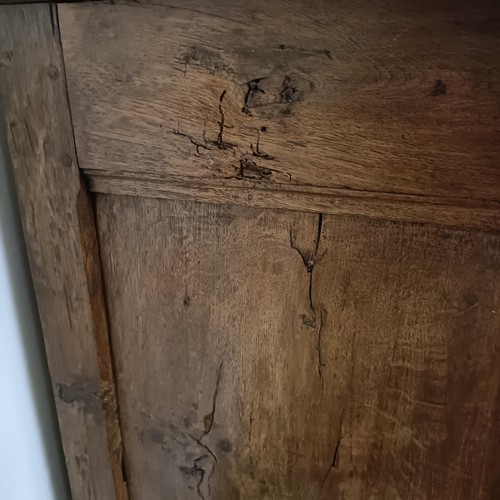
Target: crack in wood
[
  {"x": 335, "y": 459},
  {"x": 202, "y": 465},
  {"x": 310, "y": 260},
  {"x": 290, "y": 92},
  {"x": 249, "y": 169},
  {"x": 221, "y": 144},
  {"x": 334, "y": 463},
  {"x": 54, "y": 23},
  {"x": 303, "y": 50},
  {"x": 200, "y": 471},
  {"x": 257, "y": 152},
  {"x": 208, "y": 421},
  {"x": 206, "y": 459},
  {"x": 252, "y": 89},
  {"x": 198, "y": 145}
]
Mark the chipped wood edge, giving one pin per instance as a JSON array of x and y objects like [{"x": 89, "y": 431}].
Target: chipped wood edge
[
  {"x": 441, "y": 211},
  {"x": 52, "y": 196}
]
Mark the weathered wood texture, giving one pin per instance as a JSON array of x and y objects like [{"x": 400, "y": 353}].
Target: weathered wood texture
[
  {"x": 315, "y": 103},
  {"x": 403, "y": 208},
  {"x": 62, "y": 247},
  {"x": 269, "y": 355}
]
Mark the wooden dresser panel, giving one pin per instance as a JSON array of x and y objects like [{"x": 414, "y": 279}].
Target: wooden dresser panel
[
  {"x": 360, "y": 107},
  {"x": 271, "y": 354},
  {"x": 265, "y": 243}
]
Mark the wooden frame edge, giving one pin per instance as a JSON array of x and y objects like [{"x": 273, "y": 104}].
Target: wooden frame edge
[
  {"x": 59, "y": 228},
  {"x": 404, "y": 208}
]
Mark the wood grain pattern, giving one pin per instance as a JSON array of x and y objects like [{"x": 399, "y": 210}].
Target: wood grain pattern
[
  {"x": 270, "y": 354},
  {"x": 418, "y": 307},
  {"x": 391, "y": 97},
  {"x": 196, "y": 333},
  {"x": 60, "y": 235},
  {"x": 410, "y": 208}
]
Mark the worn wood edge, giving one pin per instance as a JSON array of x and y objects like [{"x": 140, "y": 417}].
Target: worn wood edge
[
  {"x": 101, "y": 329},
  {"x": 249, "y": 183},
  {"x": 19, "y": 107},
  {"x": 105, "y": 361},
  {"x": 484, "y": 216}
]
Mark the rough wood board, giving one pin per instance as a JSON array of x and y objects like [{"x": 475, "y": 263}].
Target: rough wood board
[
  {"x": 419, "y": 306},
  {"x": 264, "y": 355},
  {"x": 390, "y": 97},
  {"x": 60, "y": 237},
  {"x": 449, "y": 212}
]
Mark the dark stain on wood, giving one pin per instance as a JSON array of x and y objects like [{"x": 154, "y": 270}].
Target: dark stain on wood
[
  {"x": 206, "y": 58},
  {"x": 252, "y": 96},
  {"x": 249, "y": 169},
  {"x": 440, "y": 88},
  {"x": 290, "y": 92}
]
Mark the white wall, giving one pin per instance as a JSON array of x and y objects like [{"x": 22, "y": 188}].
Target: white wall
[{"x": 31, "y": 461}]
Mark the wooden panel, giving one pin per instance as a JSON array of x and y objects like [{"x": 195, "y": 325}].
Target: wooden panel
[
  {"x": 204, "y": 358},
  {"x": 450, "y": 212},
  {"x": 391, "y": 97},
  {"x": 419, "y": 308},
  {"x": 265, "y": 355},
  {"x": 60, "y": 236}
]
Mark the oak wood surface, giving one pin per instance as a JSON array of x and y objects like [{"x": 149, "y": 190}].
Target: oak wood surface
[
  {"x": 449, "y": 212},
  {"x": 393, "y": 98},
  {"x": 263, "y": 353},
  {"x": 58, "y": 224},
  {"x": 271, "y": 354}
]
